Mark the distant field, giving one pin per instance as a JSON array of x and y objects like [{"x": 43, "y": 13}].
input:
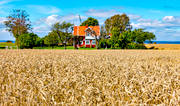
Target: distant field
[
  {"x": 62, "y": 48},
  {"x": 91, "y": 77},
  {"x": 156, "y": 46},
  {"x": 4, "y": 44},
  {"x": 164, "y": 46}
]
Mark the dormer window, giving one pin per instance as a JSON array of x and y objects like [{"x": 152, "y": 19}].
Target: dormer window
[
  {"x": 88, "y": 34},
  {"x": 88, "y": 31}
]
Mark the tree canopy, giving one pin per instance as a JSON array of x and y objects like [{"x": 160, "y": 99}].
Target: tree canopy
[
  {"x": 120, "y": 22},
  {"x": 130, "y": 39},
  {"x": 51, "y": 39},
  {"x": 90, "y": 22},
  {"x": 64, "y": 31},
  {"x": 18, "y": 22},
  {"x": 27, "y": 40}
]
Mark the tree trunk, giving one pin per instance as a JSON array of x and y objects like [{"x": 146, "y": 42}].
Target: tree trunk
[
  {"x": 96, "y": 42},
  {"x": 17, "y": 43},
  {"x": 74, "y": 43},
  {"x": 106, "y": 46},
  {"x": 65, "y": 46}
]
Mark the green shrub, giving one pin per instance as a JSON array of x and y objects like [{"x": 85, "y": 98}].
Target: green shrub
[
  {"x": 141, "y": 46},
  {"x": 27, "y": 40},
  {"x": 132, "y": 45},
  {"x": 51, "y": 39},
  {"x": 104, "y": 43}
]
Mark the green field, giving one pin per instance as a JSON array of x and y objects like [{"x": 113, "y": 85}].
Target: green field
[
  {"x": 4, "y": 44},
  {"x": 62, "y": 48}
]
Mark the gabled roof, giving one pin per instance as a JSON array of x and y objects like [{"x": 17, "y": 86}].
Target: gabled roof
[{"x": 80, "y": 30}]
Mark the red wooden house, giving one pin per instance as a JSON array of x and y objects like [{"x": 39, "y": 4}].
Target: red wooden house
[{"x": 88, "y": 33}]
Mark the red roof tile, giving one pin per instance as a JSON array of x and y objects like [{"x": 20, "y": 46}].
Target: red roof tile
[{"x": 80, "y": 30}]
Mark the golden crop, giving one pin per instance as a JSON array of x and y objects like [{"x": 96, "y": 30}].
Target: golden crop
[{"x": 107, "y": 77}]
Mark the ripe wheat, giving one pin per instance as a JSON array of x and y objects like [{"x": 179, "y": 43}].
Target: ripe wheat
[{"x": 119, "y": 77}]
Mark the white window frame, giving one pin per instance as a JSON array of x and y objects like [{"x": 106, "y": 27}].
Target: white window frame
[
  {"x": 81, "y": 42},
  {"x": 93, "y": 42},
  {"x": 88, "y": 42},
  {"x": 88, "y": 34}
]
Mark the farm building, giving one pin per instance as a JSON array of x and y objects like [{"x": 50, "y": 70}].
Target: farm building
[{"x": 88, "y": 35}]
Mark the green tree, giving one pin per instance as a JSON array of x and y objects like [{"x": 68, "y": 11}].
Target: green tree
[
  {"x": 51, "y": 39},
  {"x": 90, "y": 22},
  {"x": 64, "y": 32},
  {"x": 129, "y": 39},
  {"x": 140, "y": 36},
  {"x": 18, "y": 23},
  {"x": 105, "y": 43},
  {"x": 27, "y": 40},
  {"x": 135, "y": 39},
  {"x": 114, "y": 38},
  {"x": 40, "y": 42},
  {"x": 103, "y": 32},
  {"x": 121, "y": 22},
  {"x": 125, "y": 39},
  {"x": 122, "y": 36}
]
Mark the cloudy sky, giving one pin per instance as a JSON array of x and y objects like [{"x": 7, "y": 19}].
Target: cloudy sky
[{"x": 161, "y": 17}]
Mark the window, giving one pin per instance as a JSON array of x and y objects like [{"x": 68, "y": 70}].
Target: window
[
  {"x": 88, "y": 34},
  {"x": 81, "y": 42},
  {"x": 93, "y": 42},
  {"x": 87, "y": 42}
]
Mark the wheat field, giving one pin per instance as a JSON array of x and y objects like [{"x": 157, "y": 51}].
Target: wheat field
[
  {"x": 164, "y": 46},
  {"x": 106, "y": 77}
]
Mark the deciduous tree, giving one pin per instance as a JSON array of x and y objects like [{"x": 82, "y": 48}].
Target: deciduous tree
[
  {"x": 90, "y": 22},
  {"x": 51, "y": 39},
  {"x": 121, "y": 22},
  {"x": 18, "y": 23},
  {"x": 64, "y": 31},
  {"x": 27, "y": 40}
]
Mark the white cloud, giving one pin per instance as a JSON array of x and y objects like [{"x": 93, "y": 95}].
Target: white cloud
[
  {"x": 5, "y": 35},
  {"x": 166, "y": 22},
  {"x": 43, "y": 26},
  {"x": 108, "y": 13},
  {"x": 50, "y": 20},
  {"x": 2, "y": 19},
  {"x": 172, "y": 19},
  {"x": 73, "y": 18},
  {"x": 45, "y": 9},
  {"x": 134, "y": 17},
  {"x": 2, "y": 2},
  {"x": 144, "y": 20},
  {"x": 144, "y": 23},
  {"x": 169, "y": 19},
  {"x": 6, "y": 6},
  {"x": 101, "y": 13},
  {"x": 168, "y": 28},
  {"x": 42, "y": 30}
]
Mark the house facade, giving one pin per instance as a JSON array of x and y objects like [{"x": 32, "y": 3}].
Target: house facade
[{"x": 88, "y": 35}]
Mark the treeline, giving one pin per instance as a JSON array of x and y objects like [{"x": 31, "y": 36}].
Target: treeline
[
  {"x": 130, "y": 39},
  {"x": 116, "y": 33}
]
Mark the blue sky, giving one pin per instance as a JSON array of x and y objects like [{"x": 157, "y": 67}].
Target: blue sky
[{"x": 161, "y": 17}]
